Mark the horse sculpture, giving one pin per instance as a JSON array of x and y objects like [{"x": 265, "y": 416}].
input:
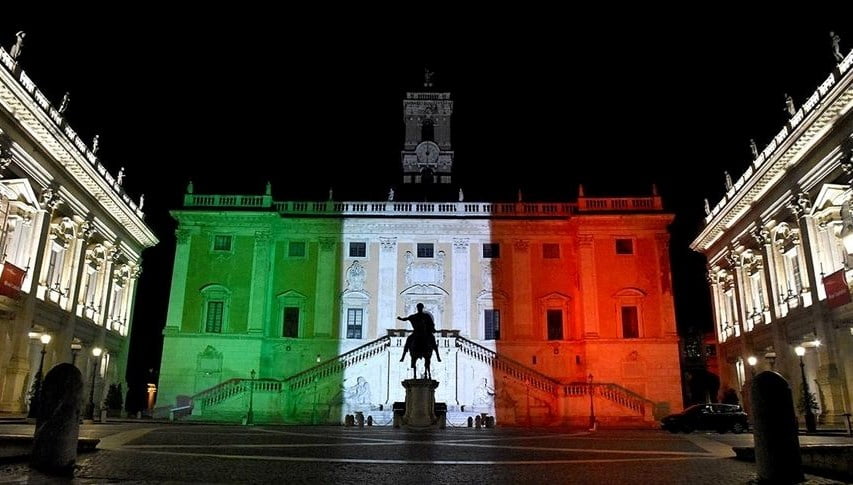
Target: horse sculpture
[{"x": 421, "y": 343}]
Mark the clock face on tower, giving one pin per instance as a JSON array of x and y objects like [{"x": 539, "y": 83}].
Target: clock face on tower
[{"x": 427, "y": 152}]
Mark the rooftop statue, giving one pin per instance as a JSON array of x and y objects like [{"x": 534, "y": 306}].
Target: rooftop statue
[
  {"x": 753, "y": 148},
  {"x": 63, "y": 105},
  {"x": 836, "y": 47},
  {"x": 789, "y": 105},
  {"x": 15, "y": 51}
]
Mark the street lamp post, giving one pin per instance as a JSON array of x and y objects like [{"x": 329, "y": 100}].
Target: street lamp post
[
  {"x": 591, "y": 403},
  {"x": 752, "y": 360},
  {"x": 90, "y": 408},
  {"x": 250, "y": 415},
  {"x": 811, "y": 422},
  {"x": 35, "y": 404},
  {"x": 314, "y": 406}
]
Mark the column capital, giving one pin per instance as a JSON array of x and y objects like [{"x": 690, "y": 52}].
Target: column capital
[{"x": 388, "y": 244}]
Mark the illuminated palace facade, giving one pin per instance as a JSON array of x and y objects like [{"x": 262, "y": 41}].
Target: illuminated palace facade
[
  {"x": 542, "y": 309},
  {"x": 779, "y": 254},
  {"x": 71, "y": 242}
]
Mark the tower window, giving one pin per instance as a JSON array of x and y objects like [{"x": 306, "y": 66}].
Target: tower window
[
  {"x": 491, "y": 250},
  {"x": 427, "y": 131},
  {"x": 624, "y": 246},
  {"x": 425, "y": 250}
]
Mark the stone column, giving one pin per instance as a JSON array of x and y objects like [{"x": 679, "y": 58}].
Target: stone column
[
  {"x": 830, "y": 374},
  {"x": 461, "y": 264},
  {"x": 180, "y": 271},
  {"x": 387, "y": 300},
  {"x": 589, "y": 291},
  {"x": 326, "y": 288},
  {"x": 762, "y": 237},
  {"x": 77, "y": 272},
  {"x": 667, "y": 304},
  {"x": 15, "y": 382},
  {"x": 520, "y": 305},
  {"x": 715, "y": 300},
  {"x": 259, "y": 288}
]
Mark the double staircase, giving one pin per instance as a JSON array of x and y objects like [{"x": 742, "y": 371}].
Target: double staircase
[{"x": 212, "y": 403}]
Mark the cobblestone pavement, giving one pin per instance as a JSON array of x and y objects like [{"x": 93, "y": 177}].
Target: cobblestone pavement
[{"x": 262, "y": 454}]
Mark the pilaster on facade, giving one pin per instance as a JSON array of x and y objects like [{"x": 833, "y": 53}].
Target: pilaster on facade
[
  {"x": 180, "y": 272},
  {"x": 387, "y": 282},
  {"x": 522, "y": 306},
  {"x": 461, "y": 263},
  {"x": 589, "y": 284},
  {"x": 259, "y": 290},
  {"x": 325, "y": 295}
]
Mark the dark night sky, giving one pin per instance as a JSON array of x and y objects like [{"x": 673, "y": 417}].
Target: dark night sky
[{"x": 232, "y": 100}]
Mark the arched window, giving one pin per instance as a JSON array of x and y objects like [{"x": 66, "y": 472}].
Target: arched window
[
  {"x": 291, "y": 307},
  {"x": 629, "y": 312},
  {"x": 216, "y": 300}
]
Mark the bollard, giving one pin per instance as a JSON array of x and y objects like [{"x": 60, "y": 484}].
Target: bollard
[
  {"x": 370, "y": 420},
  {"x": 777, "y": 446},
  {"x": 58, "y": 426},
  {"x": 470, "y": 421},
  {"x": 477, "y": 422}
]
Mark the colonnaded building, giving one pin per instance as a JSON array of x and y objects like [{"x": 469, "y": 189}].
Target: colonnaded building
[
  {"x": 546, "y": 312},
  {"x": 71, "y": 245},
  {"x": 778, "y": 246}
]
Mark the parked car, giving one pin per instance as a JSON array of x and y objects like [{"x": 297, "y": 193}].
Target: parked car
[{"x": 713, "y": 416}]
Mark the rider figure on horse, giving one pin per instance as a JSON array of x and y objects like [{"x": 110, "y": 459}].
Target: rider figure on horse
[{"x": 423, "y": 332}]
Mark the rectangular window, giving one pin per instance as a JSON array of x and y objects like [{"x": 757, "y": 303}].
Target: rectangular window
[
  {"x": 115, "y": 304},
  {"x": 491, "y": 250},
  {"x": 221, "y": 243},
  {"x": 215, "y": 311},
  {"x": 624, "y": 246},
  {"x": 555, "y": 324},
  {"x": 357, "y": 249},
  {"x": 290, "y": 328},
  {"x": 91, "y": 286},
  {"x": 355, "y": 319},
  {"x": 52, "y": 271},
  {"x": 296, "y": 249},
  {"x": 493, "y": 324},
  {"x": 425, "y": 250},
  {"x": 551, "y": 251},
  {"x": 795, "y": 271},
  {"x": 630, "y": 324}
]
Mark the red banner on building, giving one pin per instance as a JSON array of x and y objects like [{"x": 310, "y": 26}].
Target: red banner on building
[
  {"x": 11, "y": 280},
  {"x": 837, "y": 293}
]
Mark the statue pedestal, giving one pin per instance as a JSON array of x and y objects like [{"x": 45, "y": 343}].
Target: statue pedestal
[{"x": 420, "y": 403}]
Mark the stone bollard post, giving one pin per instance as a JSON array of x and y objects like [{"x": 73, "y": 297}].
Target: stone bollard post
[
  {"x": 58, "y": 426},
  {"x": 477, "y": 422},
  {"x": 470, "y": 421},
  {"x": 777, "y": 446}
]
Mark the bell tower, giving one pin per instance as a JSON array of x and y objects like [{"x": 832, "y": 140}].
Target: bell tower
[{"x": 426, "y": 156}]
